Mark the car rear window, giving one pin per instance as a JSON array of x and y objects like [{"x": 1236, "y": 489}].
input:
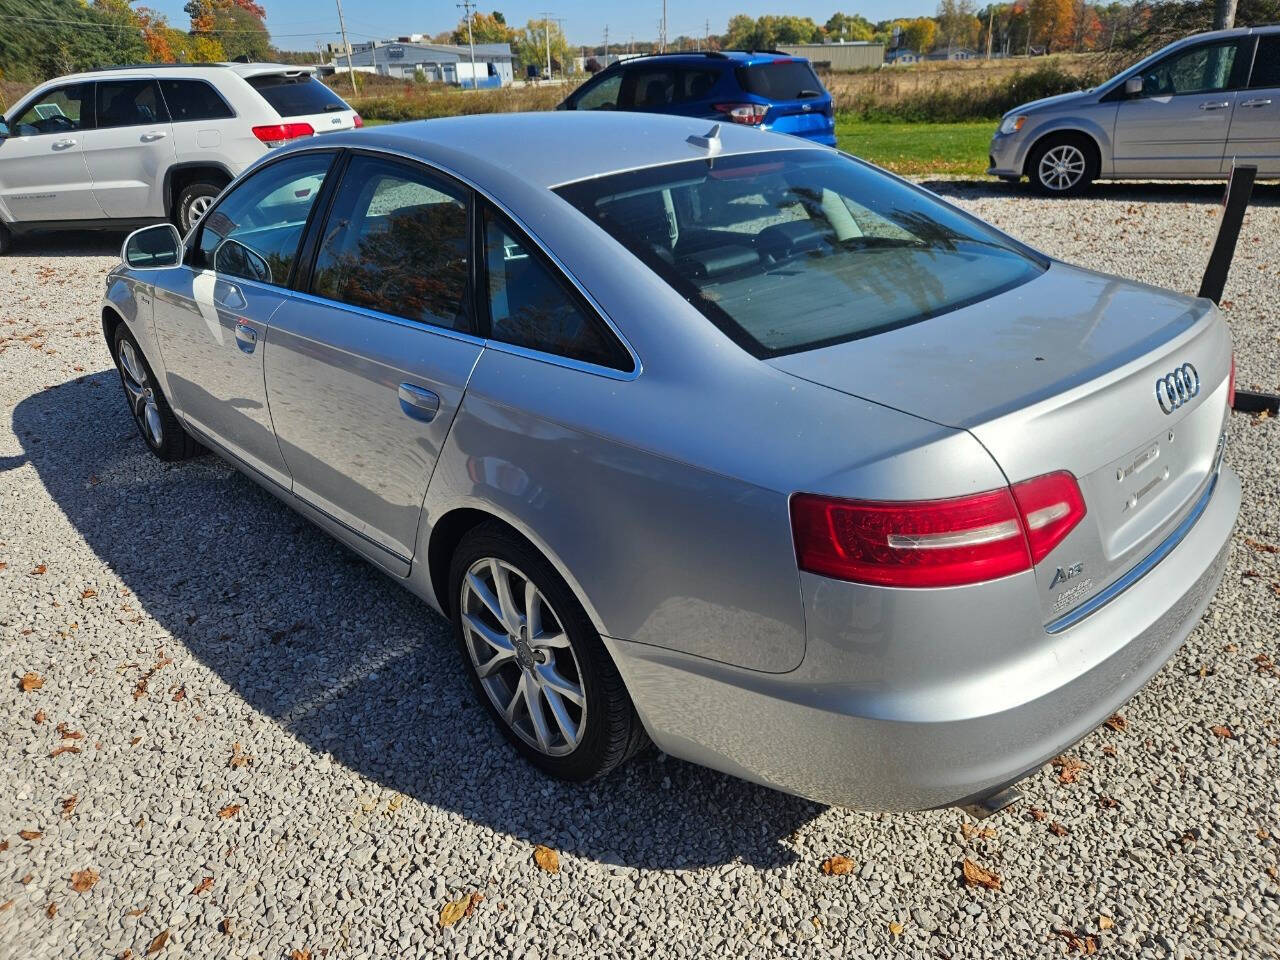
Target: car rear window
[
  {"x": 297, "y": 96},
  {"x": 781, "y": 80},
  {"x": 796, "y": 249}
]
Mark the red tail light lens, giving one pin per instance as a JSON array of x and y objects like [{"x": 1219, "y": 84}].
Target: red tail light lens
[
  {"x": 277, "y": 133},
  {"x": 358, "y": 121},
  {"x": 751, "y": 114},
  {"x": 935, "y": 543},
  {"x": 1231, "y": 384}
]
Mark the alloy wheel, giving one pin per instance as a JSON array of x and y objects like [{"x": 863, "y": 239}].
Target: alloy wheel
[
  {"x": 196, "y": 209},
  {"x": 141, "y": 393},
  {"x": 1062, "y": 166},
  {"x": 523, "y": 657}
]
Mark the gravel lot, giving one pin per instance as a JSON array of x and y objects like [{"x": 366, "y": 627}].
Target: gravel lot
[{"x": 180, "y": 619}]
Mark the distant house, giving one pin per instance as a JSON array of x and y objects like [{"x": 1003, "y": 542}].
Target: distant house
[
  {"x": 439, "y": 62},
  {"x": 901, "y": 55},
  {"x": 955, "y": 53}
]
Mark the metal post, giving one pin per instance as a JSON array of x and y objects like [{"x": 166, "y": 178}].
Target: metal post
[
  {"x": 546, "y": 29},
  {"x": 342, "y": 25},
  {"x": 467, "y": 6}
]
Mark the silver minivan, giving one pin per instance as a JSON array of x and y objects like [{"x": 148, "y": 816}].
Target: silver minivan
[{"x": 1187, "y": 112}]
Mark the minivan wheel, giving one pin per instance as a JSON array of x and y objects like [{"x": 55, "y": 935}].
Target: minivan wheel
[
  {"x": 163, "y": 434},
  {"x": 193, "y": 203},
  {"x": 1063, "y": 165},
  {"x": 535, "y": 660}
]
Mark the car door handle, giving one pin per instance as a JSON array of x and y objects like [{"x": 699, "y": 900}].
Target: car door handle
[
  {"x": 63, "y": 144},
  {"x": 246, "y": 337},
  {"x": 231, "y": 298},
  {"x": 1215, "y": 105},
  {"x": 418, "y": 402},
  {"x": 151, "y": 136},
  {"x": 1257, "y": 103}
]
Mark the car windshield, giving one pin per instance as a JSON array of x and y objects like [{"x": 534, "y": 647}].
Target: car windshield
[
  {"x": 791, "y": 250},
  {"x": 297, "y": 96}
]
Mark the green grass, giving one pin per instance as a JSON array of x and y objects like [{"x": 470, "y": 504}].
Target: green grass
[{"x": 913, "y": 149}]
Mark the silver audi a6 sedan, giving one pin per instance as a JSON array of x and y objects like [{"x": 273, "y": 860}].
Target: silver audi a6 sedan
[
  {"x": 1187, "y": 112},
  {"x": 714, "y": 438}
]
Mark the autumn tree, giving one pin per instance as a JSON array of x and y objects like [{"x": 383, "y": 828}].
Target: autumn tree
[
  {"x": 1052, "y": 23},
  {"x": 844, "y": 26},
  {"x": 485, "y": 28}
]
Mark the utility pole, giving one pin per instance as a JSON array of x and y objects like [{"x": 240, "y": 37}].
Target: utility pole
[
  {"x": 546, "y": 29},
  {"x": 467, "y": 6},
  {"x": 1224, "y": 14},
  {"x": 605, "y": 62},
  {"x": 991, "y": 17},
  {"x": 342, "y": 25},
  {"x": 663, "y": 39}
]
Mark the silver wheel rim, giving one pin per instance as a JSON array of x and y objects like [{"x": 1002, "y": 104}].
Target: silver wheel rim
[
  {"x": 523, "y": 657},
  {"x": 1062, "y": 167},
  {"x": 142, "y": 397},
  {"x": 197, "y": 208}
]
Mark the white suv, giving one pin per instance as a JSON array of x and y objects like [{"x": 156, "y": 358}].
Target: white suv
[{"x": 126, "y": 146}]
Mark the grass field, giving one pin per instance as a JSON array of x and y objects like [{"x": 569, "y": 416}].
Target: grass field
[{"x": 918, "y": 148}]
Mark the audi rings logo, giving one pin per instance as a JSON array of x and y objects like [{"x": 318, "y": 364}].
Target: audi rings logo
[{"x": 1176, "y": 388}]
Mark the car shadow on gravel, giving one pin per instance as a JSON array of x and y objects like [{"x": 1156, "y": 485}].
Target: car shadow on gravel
[
  {"x": 351, "y": 664},
  {"x": 1265, "y": 194},
  {"x": 69, "y": 243}
]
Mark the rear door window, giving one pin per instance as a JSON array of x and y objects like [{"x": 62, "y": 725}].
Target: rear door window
[
  {"x": 781, "y": 80},
  {"x": 696, "y": 84},
  {"x": 1266, "y": 63},
  {"x": 650, "y": 88},
  {"x": 297, "y": 96},
  {"x": 193, "y": 100},
  {"x": 129, "y": 103}
]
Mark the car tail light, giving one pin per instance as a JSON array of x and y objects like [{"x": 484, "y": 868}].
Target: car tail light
[
  {"x": 935, "y": 543},
  {"x": 277, "y": 133},
  {"x": 358, "y": 121},
  {"x": 1231, "y": 384},
  {"x": 751, "y": 114}
]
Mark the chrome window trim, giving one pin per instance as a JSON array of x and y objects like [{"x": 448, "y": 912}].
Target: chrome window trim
[
  {"x": 420, "y": 325},
  {"x": 541, "y": 355},
  {"x": 1144, "y": 566}
]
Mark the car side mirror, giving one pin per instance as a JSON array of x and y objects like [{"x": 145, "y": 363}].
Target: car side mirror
[
  {"x": 1133, "y": 87},
  {"x": 153, "y": 248}
]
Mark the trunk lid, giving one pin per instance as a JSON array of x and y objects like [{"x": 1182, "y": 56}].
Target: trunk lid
[{"x": 1061, "y": 373}]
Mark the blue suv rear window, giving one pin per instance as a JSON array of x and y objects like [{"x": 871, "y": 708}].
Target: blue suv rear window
[{"x": 781, "y": 80}]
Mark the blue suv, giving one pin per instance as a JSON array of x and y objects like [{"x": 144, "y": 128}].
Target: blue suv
[{"x": 765, "y": 89}]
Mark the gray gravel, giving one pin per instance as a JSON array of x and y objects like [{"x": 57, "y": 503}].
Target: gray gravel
[{"x": 377, "y": 791}]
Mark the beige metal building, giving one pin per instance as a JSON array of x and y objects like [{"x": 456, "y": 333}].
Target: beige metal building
[{"x": 838, "y": 56}]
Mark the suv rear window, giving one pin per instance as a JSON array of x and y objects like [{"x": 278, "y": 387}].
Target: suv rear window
[
  {"x": 795, "y": 249},
  {"x": 297, "y": 96},
  {"x": 781, "y": 80}
]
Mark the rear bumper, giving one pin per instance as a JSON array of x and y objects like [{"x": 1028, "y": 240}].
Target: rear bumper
[{"x": 869, "y": 720}]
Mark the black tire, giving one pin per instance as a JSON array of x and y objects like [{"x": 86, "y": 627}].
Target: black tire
[
  {"x": 1069, "y": 180},
  {"x": 611, "y": 732},
  {"x": 6, "y": 240},
  {"x": 141, "y": 391},
  {"x": 200, "y": 192}
]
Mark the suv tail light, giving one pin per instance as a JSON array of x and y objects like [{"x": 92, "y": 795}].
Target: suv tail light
[
  {"x": 751, "y": 114},
  {"x": 358, "y": 121},
  {"x": 936, "y": 543},
  {"x": 277, "y": 133}
]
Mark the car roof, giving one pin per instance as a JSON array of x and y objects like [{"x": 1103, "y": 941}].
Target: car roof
[
  {"x": 557, "y": 147},
  {"x": 205, "y": 70},
  {"x": 739, "y": 58}
]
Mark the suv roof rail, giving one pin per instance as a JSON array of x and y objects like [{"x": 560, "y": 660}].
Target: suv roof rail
[
  {"x": 150, "y": 66},
  {"x": 775, "y": 53},
  {"x": 714, "y": 54}
]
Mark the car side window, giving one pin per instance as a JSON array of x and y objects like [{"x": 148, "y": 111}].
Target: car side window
[
  {"x": 193, "y": 100},
  {"x": 1266, "y": 63},
  {"x": 602, "y": 96},
  {"x": 60, "y": 110},
  {"x": 255, "y": 230},
  {"x": 1203, "y": 69},
  {"x": 651, "y": 87},
  {"x": 531, "y": 306},
  {"x": 696, "y": 84},
  {"x": 129, "y": 103},
  {"x": 396, "y": 241}
]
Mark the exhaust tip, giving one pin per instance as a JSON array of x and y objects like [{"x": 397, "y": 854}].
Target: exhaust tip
[{"x": 992, "y": 804}]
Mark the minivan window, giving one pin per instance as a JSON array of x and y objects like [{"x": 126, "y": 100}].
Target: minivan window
[
  {"x": 297, "y": 96},
  {"x": 1266, "y": 63},
  {"x": 795, "y": 249},
  {"x": 129, "y": 103},
  {"x": 1202, "y": 69},
  {"x": 60, "y": 110},
  {"x": 193, "y": 100},
  {"x": 781, "y": 80}
]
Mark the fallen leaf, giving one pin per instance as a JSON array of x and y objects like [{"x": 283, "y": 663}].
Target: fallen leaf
[
  {"x": 51, "y": 910},
  {"x": 69, "y": 805},
  {"x": 1068, "y": 768},
  {"x": 88, "y": 594},
  {"x": 135, "y": 913},
  {"x": 156, "y": 945},
  {"x": 40, "y": 568},
  {"x": 83, "y": 880},
  {"x": 238, "y": 758},
  {"x": 140, "y": 689},
  {"x": 135, "y": 741},
  {"x": 1260, "y": 546},
  {"x": 1109, "y": 750},
  {"x": 202, "y": 886},
  {"x": 1105, "y": 922},
  {"x": 4, "y": 845},
  {"x": 30, "y": 834},
  {"x": 303, "y": 954},
  {"x": 66, "y": 733},
  {"x": 546, "y": 858},
  {"x": 26, "y": 879},
  {"x": 126, "y": 955},
  {"x": 970, "y": 831},
  {"x": 1037, "y": 814},
  {"x": 180, "y": 694},
  {"x": 31, "y": 681},
  {"x": 1107, "y": 803},
  {"x": 225, "y": 925},
  {"x": 59, "y": 751},
  {"x": 1078, "y": 943},
  {"x": 1116, "y": 722},
  {"x": 896, "y": 928},
  {"x": 1223, "y": 731},
  {"x": 229, "y": 811},
  {"x": 5, "y": 906},
  {"x": 1058, "y": 830},
  {"x": 837, "y": 866},
  {"x": 976, "y": 876},
  {"x": 39, "y": 717},
  {"x": 454, "y": 910},
  {"x": 473, "y": 901}
]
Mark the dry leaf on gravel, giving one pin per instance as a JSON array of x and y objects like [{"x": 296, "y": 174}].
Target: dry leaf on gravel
[
  {"x": 39, "y": 716},
  {"x": 837, "y": 866},
  {"x": 896, "y": 928},
  {"x": 31, "y": 681},
  {"x": 976, "y": 876},
  {"x": 5, "y": 906},
  {"x": 238, "y": 758},
  {"x": 51, "y": 910},
  {"x": 1078, "y": 943},
  {"x": 225, "y": 925},
  {"x": 1037, "y": 814},
  {"x": 59, "y": 751},
  {"x": 180, "y": 694},
  {"x": 1105, "y": 922},
  {"x": 473, "y": 901},
  {"x": 202, "y": 886},
  {"x": 83, "y": 880},
  {"x": 1107, "y": 803},
  {"x": 156, "y": 945},
  {"x": 39, "y": 570},
  {"x": 1116, "y": 722},
  {"x": 69, "y": 805},
  {"x": 454, "y": 910},
  {"x": 66, "y": 733},
  {"x": 1069, "y": 768},
  {"x": 1223, "y": 731},
  {"x": 1260, "y": 546},
  {"x": 303, "y": 954},
  {"x": 546, "y": 858},
  {"x": 1058, "y": 830},
  {"x": 229, "y": 811},
  {"x": 88, "y": 594},
  {"x": 970, "y": 831},
  {"x": 30, "y": 834}
]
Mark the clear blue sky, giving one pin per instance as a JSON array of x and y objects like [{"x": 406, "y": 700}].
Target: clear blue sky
[{"x": 298, "y": 24}]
